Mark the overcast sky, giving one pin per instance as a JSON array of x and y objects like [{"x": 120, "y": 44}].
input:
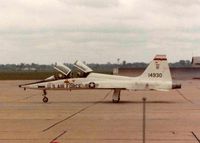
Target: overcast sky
[{"x": 98, "y": 31}]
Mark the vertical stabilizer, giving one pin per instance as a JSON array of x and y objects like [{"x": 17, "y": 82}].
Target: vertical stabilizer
[{"x": 158, "y": 70}]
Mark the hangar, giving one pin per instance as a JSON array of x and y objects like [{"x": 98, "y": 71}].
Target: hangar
[{"x": 178, "y": 73}]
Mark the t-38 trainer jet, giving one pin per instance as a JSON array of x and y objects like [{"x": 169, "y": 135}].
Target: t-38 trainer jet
[{"x": 156, "y": 76}]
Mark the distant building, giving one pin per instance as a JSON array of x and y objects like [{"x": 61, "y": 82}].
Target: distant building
[
  {"x": 195, "y": 61},
  {"x": 181, "y": 73},
  {"x": 29, "y": 69},
  {"x": 115, "y": 71}
]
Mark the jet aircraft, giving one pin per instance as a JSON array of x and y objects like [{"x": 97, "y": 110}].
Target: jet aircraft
[{"x": 156, "y": 76}]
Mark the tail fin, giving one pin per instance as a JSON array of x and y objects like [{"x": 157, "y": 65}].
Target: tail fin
[{"x": 158, "y": 70}]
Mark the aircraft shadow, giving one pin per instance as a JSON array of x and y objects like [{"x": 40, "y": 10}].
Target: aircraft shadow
[
  {"x": 139, "y": 102},
  {"x": 110, "y": 102}
]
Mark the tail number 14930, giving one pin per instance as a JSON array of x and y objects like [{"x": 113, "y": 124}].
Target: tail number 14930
[{"x": 156, "y": 75}]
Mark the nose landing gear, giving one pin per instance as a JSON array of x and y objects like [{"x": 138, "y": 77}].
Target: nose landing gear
[{"x": 45, "y": 99}]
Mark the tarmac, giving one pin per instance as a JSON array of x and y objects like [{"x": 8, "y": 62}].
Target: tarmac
[{"x": 89, "y": 116}]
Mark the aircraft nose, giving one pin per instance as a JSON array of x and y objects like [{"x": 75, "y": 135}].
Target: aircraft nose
[{"x": 22, "y": 86}]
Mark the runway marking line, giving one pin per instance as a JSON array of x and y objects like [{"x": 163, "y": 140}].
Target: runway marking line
[
  {"x": 181, "y": 94},
  {"x": 56, "y": 138},
  {"x": 25, "y": 98},
  {"x": 195, "y": 136},
  {"x": 28, "y": 97},
  {"x": 69, "y": 117}
]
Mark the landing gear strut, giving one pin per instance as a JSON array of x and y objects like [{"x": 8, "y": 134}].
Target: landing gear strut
[
  {"x": 45, "y": 99},
  {"x": 116, "y": 96}
]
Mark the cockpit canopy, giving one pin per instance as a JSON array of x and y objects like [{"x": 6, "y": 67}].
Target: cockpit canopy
[
  {"x": 81, "y": 66},
  {"x": 66, "y": 72},
  {"x": 62, "y": 69}
]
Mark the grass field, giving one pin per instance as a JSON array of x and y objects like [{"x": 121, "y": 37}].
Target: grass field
[
  {"x": 24, "y": 75},
  {"x": 32, "y": 75}
]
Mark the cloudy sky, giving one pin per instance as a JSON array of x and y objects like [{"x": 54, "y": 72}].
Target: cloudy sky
[{"x": 98, "y": 31}]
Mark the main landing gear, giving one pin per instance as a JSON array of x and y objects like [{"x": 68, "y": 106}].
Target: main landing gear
[
  {"x": 45, "y": 99},
  {"x": 116, "y": 96}
]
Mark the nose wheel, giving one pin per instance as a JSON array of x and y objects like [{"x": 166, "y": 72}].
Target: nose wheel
[
  {"x": 116, "y": 100},
  {"x": 45, "y": 99}
]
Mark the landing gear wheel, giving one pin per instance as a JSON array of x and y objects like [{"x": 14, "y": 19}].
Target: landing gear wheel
[
  {"x": 116, "y": 96},
  {"x": 116, "y": 101},
  {"x": 45, "y": 99}
]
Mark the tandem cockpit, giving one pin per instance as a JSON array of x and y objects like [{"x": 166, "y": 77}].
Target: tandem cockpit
[{"x": 64, "y": 72}]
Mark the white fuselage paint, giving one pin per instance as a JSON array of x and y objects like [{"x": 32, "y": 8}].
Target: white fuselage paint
[
  {"x": 102, "y": 81},
  {"x": 156, "y": 76}
]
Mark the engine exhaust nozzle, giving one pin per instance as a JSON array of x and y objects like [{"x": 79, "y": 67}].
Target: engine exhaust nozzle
[{"x": 176, "y": 85}]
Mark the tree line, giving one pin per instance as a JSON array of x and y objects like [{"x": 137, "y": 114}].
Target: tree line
[{"x": 96, "y": 67}]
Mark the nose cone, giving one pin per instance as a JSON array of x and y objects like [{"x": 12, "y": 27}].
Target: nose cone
[
  {"x": 22, "y": 86},
  {"x": 33, "y": 85},
  {"x": 176, "y": 86},
  {"x": 26, "y": 86}
]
